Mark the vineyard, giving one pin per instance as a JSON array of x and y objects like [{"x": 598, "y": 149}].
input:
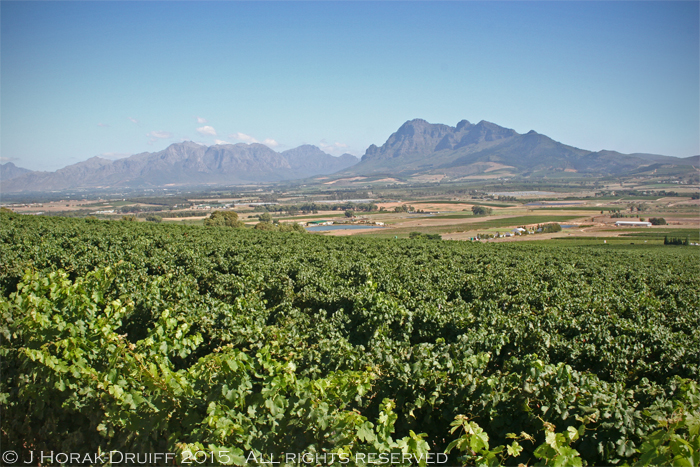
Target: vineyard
[{"x": 235, "y": 346}]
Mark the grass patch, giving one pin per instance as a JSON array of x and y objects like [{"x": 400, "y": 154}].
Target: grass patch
[
  {"x": 314, "y": 216},
  {"x": 610, "y": 244},
  {"x": 516, "y": 221},
  {"x": 692, "y": 234},
  {"x": 660, "y": 185},
  {"x": 646, "y": 198},
  {"x": 119, "y": 204},
  {"x": 453, "y": 216},
  {"x": 475, "y": 203},
  {"x": 574, "y": 208},
  {"x": 494, "y": 205},
  {"x": 627, "y": 198},
  {"x": 468, "y": 227}
]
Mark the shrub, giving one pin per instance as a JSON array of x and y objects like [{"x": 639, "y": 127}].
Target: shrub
[
  {"x": 549, "y": 228},
  {"x": 415, "y": 235},
  {"x": 481, "y": 211},
  {"x": 265, "y": 217},
  {"x": 223, "y": 219},
  {"x": 292, "y": 227},
  {"x": 265, "y": 226},
  {"x": 676, "y": 241}
]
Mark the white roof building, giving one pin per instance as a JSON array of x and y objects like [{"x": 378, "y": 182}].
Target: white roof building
[{"x": 632, "y": 224}]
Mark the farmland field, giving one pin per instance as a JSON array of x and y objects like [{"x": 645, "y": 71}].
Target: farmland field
[{"x": 230, "y": 342}]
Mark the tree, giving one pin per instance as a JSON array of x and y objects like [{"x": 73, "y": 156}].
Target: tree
[
  {"x": 349, "y": 214},
  {"x": 265, "y": 217},
  {"x": 549, "y": 228},
  {"x": 292, "y": 227},
  {"x": 481, "y": 211},
  {"x": 265, "y": 226},
  {"x": 403, "y": 208},
  {"x": 223, "y": 219},
  {"x": 153, "y": 218}
]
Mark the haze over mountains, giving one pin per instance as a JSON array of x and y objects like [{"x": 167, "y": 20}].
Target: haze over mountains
[{"x": 417, "y": 148}]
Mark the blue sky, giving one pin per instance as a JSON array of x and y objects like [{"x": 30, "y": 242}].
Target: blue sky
[{"x": 81, "y": 79}]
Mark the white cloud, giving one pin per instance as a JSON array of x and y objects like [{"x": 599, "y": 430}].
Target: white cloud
[
  {"x": 335, "y": 149},
  {"x": 250, "y": 140},
  {"x": 243, "y": 137},
  {"x": 156, "y": 135},
  {"x": 103, "y": 125},
  {"x": 160, "y": 134},
  {"x": 8, "y": 159},
  {"x": 133, "y": 120},
  {"x": 221, "y": 141},
  {"x": 207, "y": 130},
  {"x": 201, "y": 120}
]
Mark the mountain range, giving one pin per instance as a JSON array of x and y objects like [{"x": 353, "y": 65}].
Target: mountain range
[
  {"x": 422, "y": 148},
  {"x": 10, "y": 170},
  {"x": 181, "y": 164},
  {"x": 416, "y": 148}
]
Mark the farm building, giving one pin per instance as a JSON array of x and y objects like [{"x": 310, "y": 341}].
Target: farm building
[
  {"x": 324, "y": 222},
  {"x": 632, "y": 224}
]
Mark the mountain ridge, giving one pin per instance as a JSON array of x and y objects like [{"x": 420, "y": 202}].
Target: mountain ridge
[
  {"x": 9, "y": 171},
  {"x": 186, "y": 163},
  {"x": 422, "y": 148},
  {"x": 416, "y": 148}
]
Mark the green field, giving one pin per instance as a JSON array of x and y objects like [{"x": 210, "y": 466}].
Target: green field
[
  {"x": 467, "y": 226},
  {"x": 575, "y": 208},
  {"x": 658, "y": 233},
  {"x": 469, "y": 201},
  {"x": 143, "y": 337},
  {"x": 309, "y": 217},
  {"x": 458, "y": 215},
  {"x": 519, "y": 220},
  {"x": 607, "y": 242}
]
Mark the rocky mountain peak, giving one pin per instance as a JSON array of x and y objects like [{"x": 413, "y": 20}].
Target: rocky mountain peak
[{"x": 462, "y": 125}]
